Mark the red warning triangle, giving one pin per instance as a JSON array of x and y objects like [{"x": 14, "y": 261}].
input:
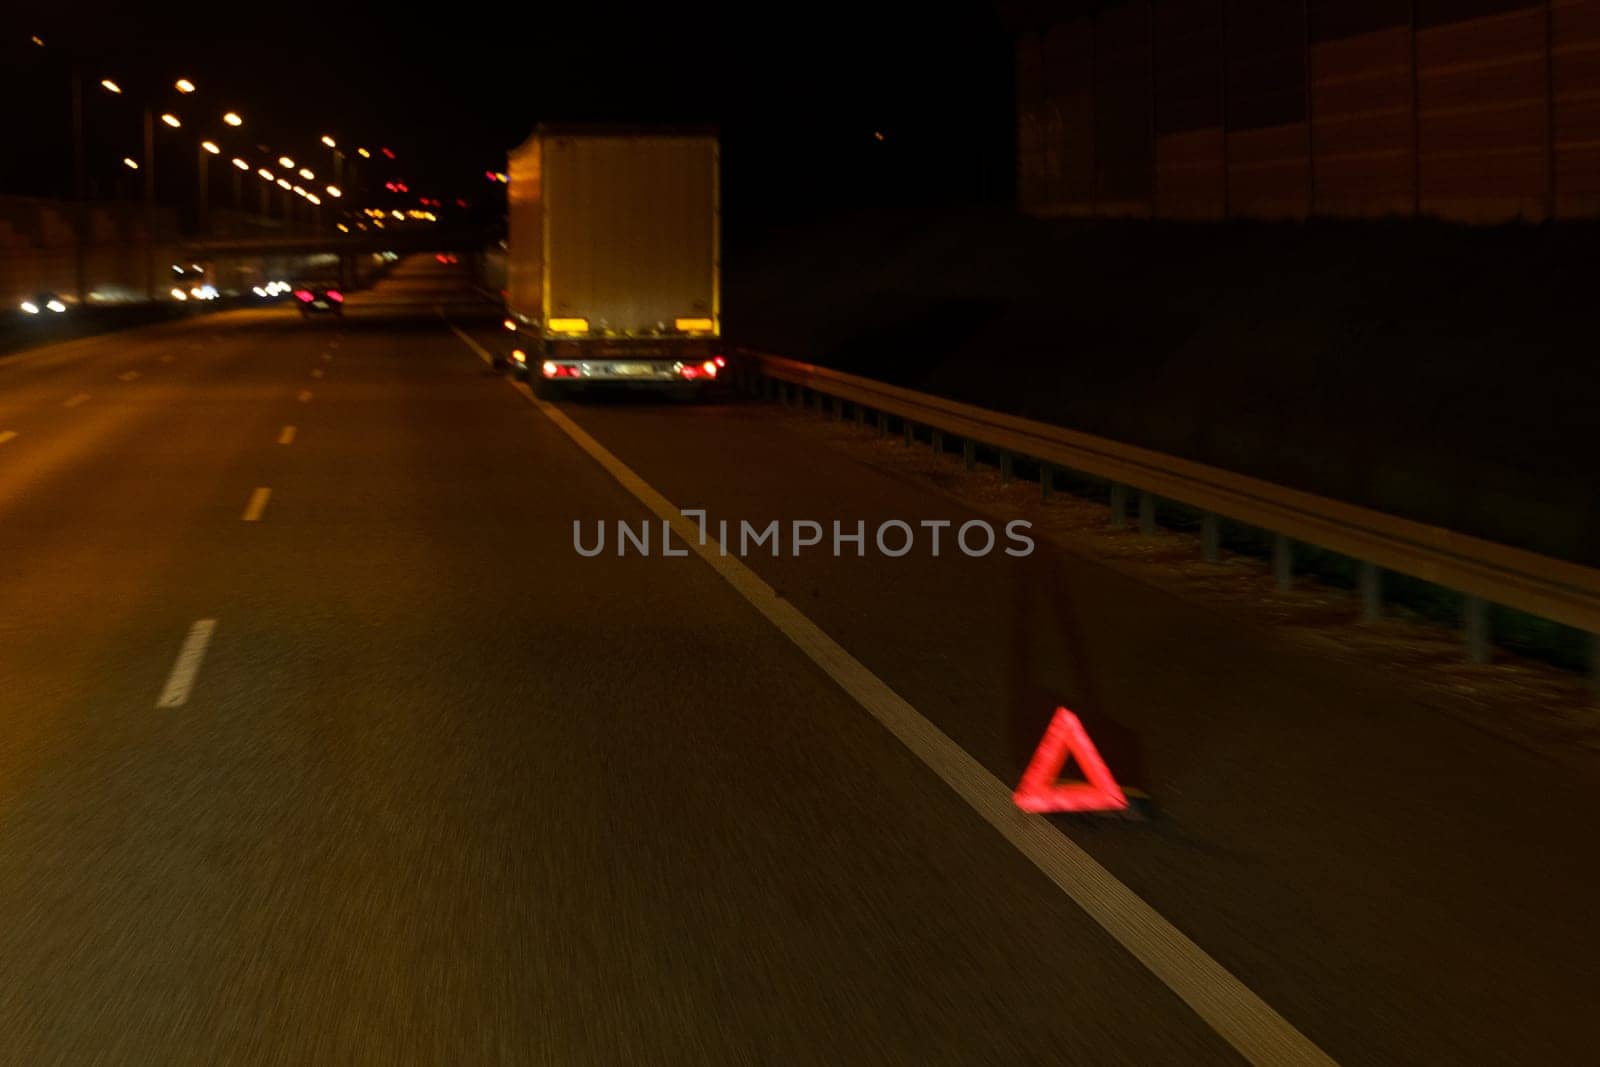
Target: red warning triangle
[{"x": 1040, "y": 790}]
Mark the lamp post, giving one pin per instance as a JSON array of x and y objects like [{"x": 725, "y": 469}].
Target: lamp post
[
  {"x": 150, "y": 202},
  {"x": 79, "y": 191},
  {"x": 203, "y": 189}
]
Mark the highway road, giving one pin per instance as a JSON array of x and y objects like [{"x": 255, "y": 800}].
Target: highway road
[{"x": 320, "y": 742}]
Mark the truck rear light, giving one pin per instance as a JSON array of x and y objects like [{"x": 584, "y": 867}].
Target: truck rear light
[
  {"x": 519, "y": 355},
  {"x": 710, "y": 368},
  {"x": 550, "y": 369},
  {"x": 303, "y": 295},
  {"x": 336, "y": 296},
  {"x": 720, "y": 361},
  {"x": 568, "y": 325}
]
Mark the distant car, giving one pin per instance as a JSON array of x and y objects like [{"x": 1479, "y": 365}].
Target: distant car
[
  {"x": 43, "y": 304},
  {"x": 447, "y": 257},
  {"x": 316, "y": 301}
]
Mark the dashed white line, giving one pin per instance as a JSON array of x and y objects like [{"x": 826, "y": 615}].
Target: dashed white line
[
  {"x": 305, "y": 396},
  {"x": 128, "y": 376},
  {"x": 1227, "y": 1005},
  {"x": 7, "y": 435},
  {"x": 187, "y": 665},
  {"x": 286, "y": 436},
  {"x": 74, "y": 400},
  {"x": 258, "y": 504}
]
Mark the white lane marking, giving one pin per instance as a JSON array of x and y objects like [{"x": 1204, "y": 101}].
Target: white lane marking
[
  {"x": 286, "y": 436},
  {"x": 187, "y": 665},
  {"x": 305, "y": 396},
  {"x": 1238, "y": 1016},
  {"x": 316, "y": 372},
  {"x": 128, "y": 376},
  {"x": 74, "y": 400},
  {"x": 7, "y": 435},
  {"x": 258, "y": 504}
]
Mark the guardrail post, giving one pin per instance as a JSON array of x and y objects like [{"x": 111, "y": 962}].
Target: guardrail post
[
  {"x": 1005, "y": 468},
  {"x": 771, "y": 389},
  {"x": 1047, "y": 481},
  {"x": 969, "y": 454},
  {"x": 837, "y": 409},
  {"x": 883, "y": 423},
  {"x": 1282, "y": 562},
  {"x": 910, "y": 429},
  {"x": 861, "y": 416},
  {"x": 1371, "y": 582},
  {"x": 1475, "y": 618},
  {"x": 1147, "y": 512},
  {"x": 1210, "y": 538},
  {"x": 1119, "y": 506},
  {"x": 936, "y": 439}
]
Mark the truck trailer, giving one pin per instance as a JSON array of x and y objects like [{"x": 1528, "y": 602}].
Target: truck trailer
[{"x": 613, "y": 258}]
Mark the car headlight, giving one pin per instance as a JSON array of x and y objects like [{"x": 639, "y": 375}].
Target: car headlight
[
  {"x": 30, "y": 307},
  {"x": 56, "y": 306}
]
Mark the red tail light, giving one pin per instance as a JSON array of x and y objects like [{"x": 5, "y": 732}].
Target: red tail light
[
  {"x": 710, "y": 368},
  {"x": 336, "y": 296},
  {"x": 303, "y": 295},
  {"x": 720, "y": 361}
]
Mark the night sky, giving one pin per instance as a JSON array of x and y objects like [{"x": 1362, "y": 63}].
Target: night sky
[{"x": 799, "y": 97}]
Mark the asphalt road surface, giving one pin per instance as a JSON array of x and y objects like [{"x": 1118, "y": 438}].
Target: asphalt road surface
[{"x": 320, "y": 742}]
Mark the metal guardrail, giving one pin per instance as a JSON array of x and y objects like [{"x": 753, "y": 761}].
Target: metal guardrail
[{"x": 1483, "y": 571}]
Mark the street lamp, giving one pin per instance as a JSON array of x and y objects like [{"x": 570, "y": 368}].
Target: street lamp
[
  {"x": 171, "y": 120},
  {"x": 305, "y": 172},
  {"x": 110, "y": 86},
  {"x": 183, "y": 85},
  {"x": 130, "y": 163},
  {"x": 232, "y": 119},
  {"x": 329, "y": 141},
  {"x": 286, "y": 163},
  {"x": 203, "y": 189}
]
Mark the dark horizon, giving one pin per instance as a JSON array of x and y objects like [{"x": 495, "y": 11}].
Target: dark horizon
[{"x": 799, "y": 108}]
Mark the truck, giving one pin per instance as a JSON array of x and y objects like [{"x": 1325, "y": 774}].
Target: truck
[{"x": 613, "y": 258}]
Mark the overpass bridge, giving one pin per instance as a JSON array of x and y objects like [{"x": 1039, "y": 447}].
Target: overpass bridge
[{"x": 401, "y": 239}]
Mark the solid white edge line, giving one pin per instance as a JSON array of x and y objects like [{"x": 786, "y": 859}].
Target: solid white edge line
[
  {"x": 74, "y": 400},
  {"x": 1227, "y": 1005},
  {"x": 7, "y": 435},
  {"x": 257, "y": 504},
  {"x": 184, "y": 669}
]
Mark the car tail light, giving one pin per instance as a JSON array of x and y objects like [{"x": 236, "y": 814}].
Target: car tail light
[
  {"x": 689, "y": 371},
  {"x": 720, "y": 361},
  {"x": 710, "y": 368},
  {"x": 336, "y": 296},
  {"x": 519, "y": 355},
  {"x": 303, "y": 295}
]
